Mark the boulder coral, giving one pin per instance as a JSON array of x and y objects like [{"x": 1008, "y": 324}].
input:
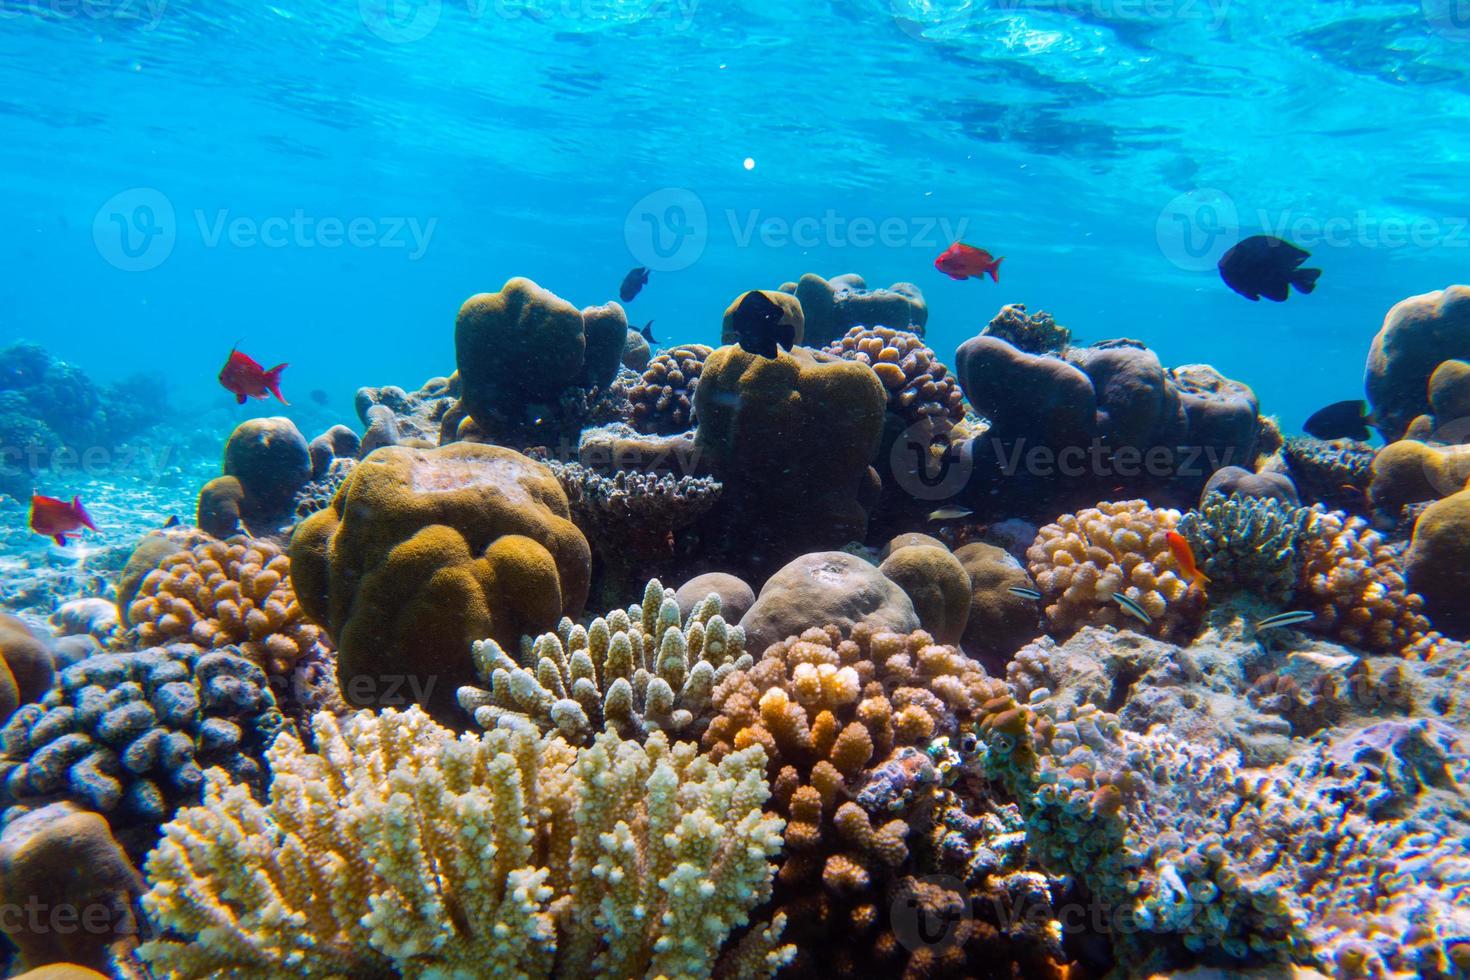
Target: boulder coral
[
  {"x": 1000, "y": 621},
  {"x": 1412, "y": 472},
  {"x": 1083, "y": 559},
  {"x": 1418, "y": 334},
  {"x": 268, "y": 460},
  {"x": 938, "y": 586},
  {"x": 828, "y": 586},
  {"x": 831, "y": 307},
  {"x": 26, "y": 670},
  {"x": 1438, "y": 562},
  {"x": 520, "y": 350},
  {"x": 422, "y": 553},
  {"x": 397, "y": 850},
  {"x": 791, "y": 438}
]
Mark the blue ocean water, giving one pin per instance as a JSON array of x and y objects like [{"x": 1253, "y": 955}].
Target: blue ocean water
[{"x": 324, "y": 183}]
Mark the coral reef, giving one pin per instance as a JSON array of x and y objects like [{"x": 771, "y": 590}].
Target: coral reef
[
  {"x": 401, "y": 851},
  {"x": 1000, "y": 621},
  {"x": 266, "y": 462},
  {"x": 631, "y": 512},
  {"x": 831, "y": 587},
  {"x": 1229, "y": 481},
  {"x": 635, "y": 671},
  {"x": 1335, "y": 474},
  {"x": 832, "y": 307},
  {"x": 735, "y": 595},
  {"x": 922, "y": 394},
  {"x": 234, "y": 593},
  {"x": 1411, "y": 472},
  {"x": 1034, "y": 333},
  {"x": 416, "y": 416},
  {"x": 70, "y": 886},
  {"x": 317, "y": 495},
  {"x": 1248, "y": 543},
  {"x": 129, "y": 735},
  {"x": 1438, "y": 563},
  {"x": 1418, "y": 334},
  {"x": 938, "y": 586},
  {"x": 663, "y": 398},
  {"x": 1080, "y": 561},
  {"x": 26, "y": 670},
  {"x": 791, "y": 438},
  {"x": 424, "y": 552},
  {"x": 792, "y": 315}
]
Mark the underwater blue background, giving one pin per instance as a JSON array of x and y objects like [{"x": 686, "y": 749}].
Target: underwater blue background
[{"x": 541, "y": 138}]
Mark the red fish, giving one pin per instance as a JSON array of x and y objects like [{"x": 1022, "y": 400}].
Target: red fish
[
  {"x": 1184, "y": 555},
  {"x": 58, "y": 519},
  {"x": 961, "y": 261},
  {"x": 244, "y": 378}
]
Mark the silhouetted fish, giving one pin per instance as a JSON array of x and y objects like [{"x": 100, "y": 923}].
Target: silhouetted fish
[
  {"x": 633, "y": 282},
  {"x": 1342, "y": 420},
  {"x": 319, "y": 396},
  {"x": 647, "y": 332},
  {"x": 761, "y": 324},
  {"x": 1264, "y": 265},
  {"x": 172, "y": 521}
]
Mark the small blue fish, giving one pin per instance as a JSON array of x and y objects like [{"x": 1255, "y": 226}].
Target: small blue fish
[
  {"x": 1285, "y": 619},
  {"x": 1025, "y": 593},
  {"x": 1133, "y": 609}
]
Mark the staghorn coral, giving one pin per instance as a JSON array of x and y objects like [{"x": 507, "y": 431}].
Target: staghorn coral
[
  {"x": 635, "y": 670},
  {"x": 921, "y": 391},
  {"x": 1034, "y": 333},
  {"x": 401, "y": 851},
  {"x": 663, "y": 399},
  {"x": 129, "y": 734},
  {"x": 1082, "y": 559},
  {"x": 846, "y": 725},
  {"x": 1354, "y": 582},
  {"x": 226, "y": 593},
  {"x": 1336, "y": 473},
  {"x": 1250, "y": 544}
]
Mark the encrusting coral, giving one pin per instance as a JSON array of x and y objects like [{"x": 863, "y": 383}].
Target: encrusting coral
[
  {"x": 1080, "y": 561},
  {"x": 1034, "y": 333},
  {"x": 1248, "y": 543},
  {"x": 234, "y": 593},
  {"x": 400, "y": 851},
  {"x": 663, "y": 398},
  {"x": 921, "y": 391},
  {"x": 1336, "y": 474},
  {"x": 847, "y": 725},
  {"x": 636, "y": 670},
  {"x": 631, "y": 514}
]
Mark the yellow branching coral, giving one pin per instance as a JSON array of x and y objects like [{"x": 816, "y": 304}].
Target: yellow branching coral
[
  {"x": 223, "y": 593},
  {"x": 397, "y": 850},
  {"x": 1084, "y": 558},
  {"x": 637, "y": 670}
]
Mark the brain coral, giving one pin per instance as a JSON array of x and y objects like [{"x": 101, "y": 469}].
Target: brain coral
[
  {"x": 921, "y": 390},
  {"x": 226, "y": 593},
  {"x": 425, "y": 551},
  {"x": 846, "y": 726},
  {"x": 129, "y": 734},
  {"x": 663, "y": 399},
  {"x": 1084, "y": 558},
  {"x": 1418, "y": 334},
  {"x": 636, "y": 671},
  {"x": 399, "y": 850}
]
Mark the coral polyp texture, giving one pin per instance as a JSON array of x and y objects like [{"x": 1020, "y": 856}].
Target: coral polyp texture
[
  {"x": 1082, "y": 560},
  {"x": 226, "y": 593},
  {"x": 1248, "y": 544},
  {"x": 637, "y": 670},
  {"x": 921, "y": 391},
  {"x": 1034, "y": 333},
  {"x": 663, "y": 398},
  {"x": 398, "y": 850}
]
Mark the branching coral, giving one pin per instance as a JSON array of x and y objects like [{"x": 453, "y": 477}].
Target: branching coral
[
  {"x": 663, "y": 398},
  {"x": 921, "y": 391},
  {"x": 1034, "y": 333},
  {"x": 636, "y": 670},
  {"x": 1084, "y": 558},
  {"x": 226, "y": 593},
  {"x": 1248, "y": 543},
  {"x": 847, "y": 726},
  {"x": 129, "y": 734},
  {"x": 401, "y": 851}
]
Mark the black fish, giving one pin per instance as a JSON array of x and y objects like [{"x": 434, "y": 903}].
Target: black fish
[
  {"x": 173, "y": 521},
  {"x": 760, "y": 327},
  {"x": 647, "y": 332},
  {"x": 633, "y": 282},
  {"x": 1264, "y": 266},
  {"x": 318, "y": 396},
  {"x": 1344, "y": 420}
]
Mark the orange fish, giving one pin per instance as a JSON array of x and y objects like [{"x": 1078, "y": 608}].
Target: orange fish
[
  {"x": 1184, "y": 555},
  {"x": 961, "y": 261},
  {"x": 244, "y": 378},
  {"x": 58, "y": 519}
]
